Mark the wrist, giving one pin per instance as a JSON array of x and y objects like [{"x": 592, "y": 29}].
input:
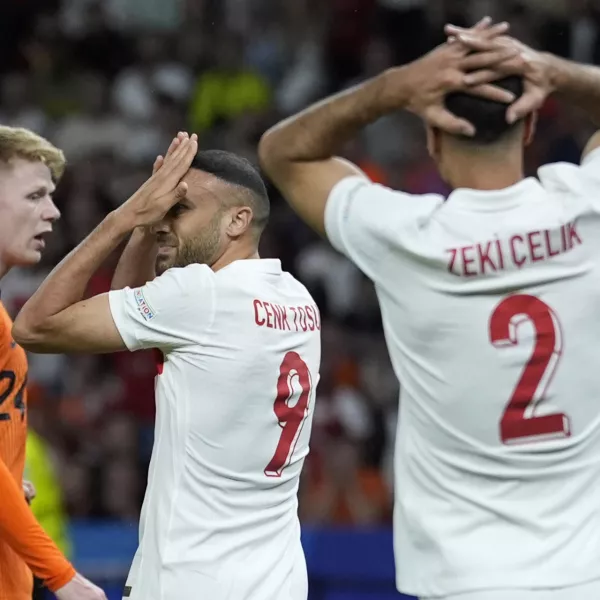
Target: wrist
[
  {"x": 394, "y": 88},
  {"x": 122, "y": 221},
  {"x": 65, "y": 576},
  {"x": 557, "y": 72},
  {"x": 143, "y": 234}
]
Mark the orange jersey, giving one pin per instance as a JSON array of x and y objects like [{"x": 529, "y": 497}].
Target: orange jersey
[{"x": 22, "y": 540}]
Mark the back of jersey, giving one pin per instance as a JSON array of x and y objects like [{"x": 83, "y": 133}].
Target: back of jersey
[
  {"x": 235, "y": 401},
  {"x": 251, "y": 399},
  {"x": 489, "y": 303}
]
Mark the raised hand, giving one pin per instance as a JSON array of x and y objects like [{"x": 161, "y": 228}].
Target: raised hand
[
  {"x": 79, "y": 588},
  {"x": 158, "y": 163},
  {"x": 535, "y": 68},
  {"x": 445, "y": 70},
  {"x": 165, "y": 188}
]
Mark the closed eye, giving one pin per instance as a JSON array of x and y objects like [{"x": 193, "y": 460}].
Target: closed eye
[
  {"x": 39, "y": 194},
  {"x": 177, "y": 209}
]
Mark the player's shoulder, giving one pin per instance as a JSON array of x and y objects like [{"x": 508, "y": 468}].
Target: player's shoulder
[
  {"x": 11, "y": 355},
  {"x": 296, "y": 287},
  {"x": 186, "y": 280},
  {"x": 361, "y": 204},
  {"x": 4, "y": 316},
  {"x": 257, "y": 275},
  {"x": 243, "y": 271},
  {"x": 356, "y": 185},
  {"x": 5, "y": 326},
  {"x": 572, "y": 179}
]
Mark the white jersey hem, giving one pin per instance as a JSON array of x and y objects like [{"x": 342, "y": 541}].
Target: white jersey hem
[{"x": 455, "y": 586}]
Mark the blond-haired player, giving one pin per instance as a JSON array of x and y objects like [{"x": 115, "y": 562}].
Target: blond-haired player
[{"x": 30, "y": 167}]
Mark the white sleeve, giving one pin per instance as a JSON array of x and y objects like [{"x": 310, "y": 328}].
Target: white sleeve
[
  {"x": 575, "y": 180},
  {"x": 366, "y": 221},
  {"x": 170, "y": 312},
  {"x": 591, "y": 163}
]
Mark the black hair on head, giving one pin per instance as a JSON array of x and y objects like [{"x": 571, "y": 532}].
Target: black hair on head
[
  {"x": 487, "y": 116},
  {"x": 236, "y": 170}
]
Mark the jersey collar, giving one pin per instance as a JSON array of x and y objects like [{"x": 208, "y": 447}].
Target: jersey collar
[
  {"x": 260, "y": 265},
  {"x": 493, "y": 200}
]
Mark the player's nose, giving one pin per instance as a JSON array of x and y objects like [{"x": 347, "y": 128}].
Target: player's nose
[
  {"x": 161, "y": 226},
  {"x": 51, "y": 212}
]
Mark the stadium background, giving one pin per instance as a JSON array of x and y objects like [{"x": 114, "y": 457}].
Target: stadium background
[{"x": 110, "y": 82}]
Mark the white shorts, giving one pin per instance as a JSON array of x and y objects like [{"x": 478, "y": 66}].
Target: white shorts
[{"x": 587, "y": 591}]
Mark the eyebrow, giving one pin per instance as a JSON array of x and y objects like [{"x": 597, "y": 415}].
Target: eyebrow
[{"x": 42, "y": 188}]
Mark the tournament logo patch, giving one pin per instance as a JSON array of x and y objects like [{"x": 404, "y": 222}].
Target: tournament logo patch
[{"x": 145, "y": 309}]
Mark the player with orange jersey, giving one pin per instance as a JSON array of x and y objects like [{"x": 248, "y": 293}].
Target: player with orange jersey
[{"x": 29, "y": 169}]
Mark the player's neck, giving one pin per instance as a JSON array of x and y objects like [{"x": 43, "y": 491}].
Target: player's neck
[
  {"x": 233, "y": 253},
  {"x": 484, "y": 173}
]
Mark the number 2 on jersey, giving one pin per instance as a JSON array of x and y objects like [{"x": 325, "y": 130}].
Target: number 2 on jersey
[
  {"x": 291, "y": 418},
  {"x": 518, "y": 425},
  {"x": 18, "y": 402}
]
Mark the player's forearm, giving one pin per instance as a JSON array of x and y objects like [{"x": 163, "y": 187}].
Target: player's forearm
[
  {"x": 20, "y": 530},
  {"x": 319, "y": 132},
  {"x": 577, "y": 84},
  {"x": 137, "y": 263},
  {"x": 68, "y": 281}
]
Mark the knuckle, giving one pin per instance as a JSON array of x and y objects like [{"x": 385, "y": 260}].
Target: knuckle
[{"x": 450, "y": 78}]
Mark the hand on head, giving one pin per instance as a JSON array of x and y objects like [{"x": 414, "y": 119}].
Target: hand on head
[
  {"x": 165, "y": 187},
  {"x": 160, "y": 159},
  {"x": 470, "y": 62},
  {"x": 442, "y": 72},
  {"x": 531, "y": 65}
]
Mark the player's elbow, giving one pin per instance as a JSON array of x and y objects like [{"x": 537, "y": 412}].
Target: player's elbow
[
  {"x": 29, "y": 336},
  {"x": 265, "y": 154},
  {"x": 271, "y": 156}
]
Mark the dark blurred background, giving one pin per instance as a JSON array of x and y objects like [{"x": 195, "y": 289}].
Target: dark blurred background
[{"x": 110, "y": 82}]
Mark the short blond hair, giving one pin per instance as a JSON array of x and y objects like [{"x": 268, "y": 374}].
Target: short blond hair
[{"x": 17, "y": 142}]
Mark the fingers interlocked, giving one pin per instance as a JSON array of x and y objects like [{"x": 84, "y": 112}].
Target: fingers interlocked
[{"x": 492, "y": 55}]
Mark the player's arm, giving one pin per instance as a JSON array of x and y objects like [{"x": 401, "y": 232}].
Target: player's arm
[
  {"x": 593, "y": 144},
  {"x": 299, "y": 154},
  {"x": 20, "y": 530},
  {"x": 578, "y": 85},
  {"x": 575, "y": 84},
  {"x": 55, "y": 318},
  {"x": 137, "y": 263}
]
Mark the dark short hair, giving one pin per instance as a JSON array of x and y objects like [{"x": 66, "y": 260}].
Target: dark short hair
[
  {"x": 236, "y": 170},
  {"x": 488, "y": 117}
]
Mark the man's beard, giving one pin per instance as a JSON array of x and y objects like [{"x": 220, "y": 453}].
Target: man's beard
[{"x": 203, "y": 249}]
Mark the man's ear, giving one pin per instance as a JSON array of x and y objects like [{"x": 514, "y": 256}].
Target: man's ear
[
  {"x": 434, "y": 142},
  {"x": 530, "y": 127},
  {"x": 240, "y": 221}
]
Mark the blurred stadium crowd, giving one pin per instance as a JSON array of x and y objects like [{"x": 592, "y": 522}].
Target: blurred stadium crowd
[{"x": 111, "y": 81}]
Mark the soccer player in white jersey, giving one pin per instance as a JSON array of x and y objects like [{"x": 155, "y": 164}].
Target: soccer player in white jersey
[
  {"x": 241, "y": 347},
  {"x": 490, "y": 309}
]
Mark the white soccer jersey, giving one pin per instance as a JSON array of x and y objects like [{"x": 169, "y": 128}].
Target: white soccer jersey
[
  {"x": 235, "y": 400},
  {"x": 491, "y": 310}
]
